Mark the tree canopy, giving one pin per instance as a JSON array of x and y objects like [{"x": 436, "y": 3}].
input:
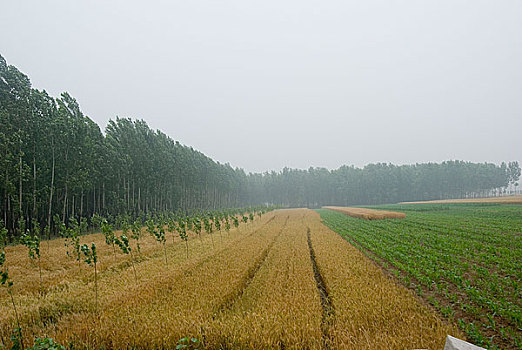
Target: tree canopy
[{"x": 55, "y": 163}]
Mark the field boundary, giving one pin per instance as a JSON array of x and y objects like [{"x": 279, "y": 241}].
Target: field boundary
[{"x": 326, "y": 303}]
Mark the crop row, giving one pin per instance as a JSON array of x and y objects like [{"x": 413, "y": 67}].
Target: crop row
[
  {"x": 470, "y": 272},
  {"x": 126, "y": 264}
]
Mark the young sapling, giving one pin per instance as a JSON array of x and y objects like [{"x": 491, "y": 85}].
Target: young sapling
[
  {"x": 32, "y": 242},
  {"x": 123, "y": 243},
  {"x": 108, "y": 232},
  {"x": 91, "y": 258},
  {"x": 208, "y": 229},
  {"x": 136, "y": 234},
  {"x": 159, "y": 235},
  {"x": 197, "y": 228}
]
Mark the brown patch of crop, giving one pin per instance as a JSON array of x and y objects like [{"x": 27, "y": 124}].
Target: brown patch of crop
[
  {"x": 502, "y": 200},
  {"x": 368, "y": 214}
]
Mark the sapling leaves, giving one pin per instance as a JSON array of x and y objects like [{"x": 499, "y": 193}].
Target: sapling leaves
[
  {"x": 72, "y": 240},
  {"x": 108, "y": 232},
  {"x": 32, "y": 242},
  {"x": 188, "y": 344},
  {"x": 208, "y": 228},
  {"x": 227, "y": 224},
  {"x": 197, "y": 227},
  {"x": 217, "y": 223},
  {"x": 46, "y": 344},
  {"x": 172, "y": 227},
  {"x": 91, "y": 258},
  {"x": 183, "y": 235},
  {"x": 159, "y": 235},
  {"x": 123, "y": 243},
  {"x": 136, "y": 234}
]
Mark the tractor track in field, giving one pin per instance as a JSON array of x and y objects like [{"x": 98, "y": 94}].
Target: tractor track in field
[
  {"x": 232, "y": 298},
  {"x": 192, "y": 270},
  {"x": 326, "y": 302}
]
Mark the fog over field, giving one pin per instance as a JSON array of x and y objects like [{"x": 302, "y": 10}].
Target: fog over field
[{"x": 268, "y": 84}]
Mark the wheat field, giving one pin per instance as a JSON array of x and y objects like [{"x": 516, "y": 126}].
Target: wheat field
[
  {"x": 368, "y": 214},
  {"x": 282, "y": 281}
]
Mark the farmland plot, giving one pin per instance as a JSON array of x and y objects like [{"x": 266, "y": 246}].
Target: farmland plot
[
  {"x": 464, "y": 259},
  {"x": 368, "y": 214},
  {"x": 66, "y": 311},
  {"x": 283, "y": 281}
]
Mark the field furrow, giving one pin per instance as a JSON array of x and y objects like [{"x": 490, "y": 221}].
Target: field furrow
[
  {"x": 281, "y": 307},
  {"x": 371, "y": 310}
]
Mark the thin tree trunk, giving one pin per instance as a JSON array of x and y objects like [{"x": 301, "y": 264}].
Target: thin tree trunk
[
  {"x": 64, "y": 203},
  {"x": 20, "y": 187},
  {"x": 34, "y": 182},
  {"x": 81, "y": 205},
  {"x": 72, "y": 207},
  {"x": 6, "y": 198}
]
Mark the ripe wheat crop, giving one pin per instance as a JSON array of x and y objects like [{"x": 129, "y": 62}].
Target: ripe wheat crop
[
  {"x": 282, "y": 280},
  {"x": 368, "y": 214}
]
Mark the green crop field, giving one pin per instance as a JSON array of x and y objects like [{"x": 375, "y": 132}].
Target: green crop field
[{"x": 465, "y": 259}]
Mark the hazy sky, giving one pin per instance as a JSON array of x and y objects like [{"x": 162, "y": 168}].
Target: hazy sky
[{"x": 299, "y": 83}]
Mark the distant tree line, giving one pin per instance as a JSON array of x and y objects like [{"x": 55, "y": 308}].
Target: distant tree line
[
  {"x": 55, "y": 163},
  {"x": 382, "y": 183}
]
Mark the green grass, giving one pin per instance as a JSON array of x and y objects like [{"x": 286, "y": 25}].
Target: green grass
[{"x": 465, "y": 259}]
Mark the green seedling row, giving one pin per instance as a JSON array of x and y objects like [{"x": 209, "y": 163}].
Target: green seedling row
[{"x": 466, "y": 260}]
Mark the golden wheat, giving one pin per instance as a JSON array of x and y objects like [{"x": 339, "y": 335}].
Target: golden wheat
[
  {"x": 368, "y": 214},
  {"x": 279, "y": 307},
  {"x": 371, "y": 310},
  {"x": 261, "y": 286}
]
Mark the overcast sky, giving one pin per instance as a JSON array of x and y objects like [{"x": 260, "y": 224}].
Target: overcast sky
[{"x": 298, "y": 83}]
